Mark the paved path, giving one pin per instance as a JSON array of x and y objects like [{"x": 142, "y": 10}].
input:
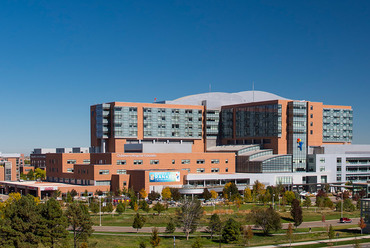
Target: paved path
[
  {"x": 315, "y": 242},
  {"x": 129, "y": 229}
]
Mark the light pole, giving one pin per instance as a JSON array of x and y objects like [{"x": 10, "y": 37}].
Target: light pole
[
  {"x": 341, "y": 207},
  {"x": 100, "y": 209}
]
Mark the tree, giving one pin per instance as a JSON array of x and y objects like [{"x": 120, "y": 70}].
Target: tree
[
  {"x": 30, "y": 175},
  {"x": 154, "y": 238},
  {"x": 362, "y": 224},
  {"x": 231, "y": 231},
  {"x": 79, "y": 221},
  {"x": 247, "y": 235},
  {"x": 230, "y": 191},
  {"x": 120, "y": 208},
  {"x": 159, "y": 208},
  {"x": 214, "y": 225},
  {"x": 296, "y": 213},
  {"x": 153, "y": 196},
  {"x": 248, "y": 195},
  {"x": 144, "y": 206},
  {"x": 214, "y": 194},
  {"x": 143, "y": 193},
  {"x": 166, "y": 194},
  {"x": 74, "y": 193},
  {"x": 197, "y": 243},
  {"x": 331, "y": 232},
  {"x": 20, "y": 222},
  {"x": 139, "y": 222},
  {"x": 258, "y": 189},
  {"x": 206, "y": 194},
  {"x": 289, "y": 233},
  {"x": 94, "y": 207},
  {"x": 108, "y": 208},
  {"x": 175, "y": 194},
  {"x": 189, "y": 215},
  {"x": 266, "y": 218},
  {"x": 54, "y": 224},
  {"x": 40, "y": 174},
  {"x": 307, "y": 202},
  {"x": 171, "y": 226},
  {"x": 289, "y": 196}
]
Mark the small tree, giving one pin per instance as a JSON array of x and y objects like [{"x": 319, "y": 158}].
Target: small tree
[
  {"x": 296, "y": 213},
  {"x": 175, "y": 194},
  {"x": 362, "y": 224},
  {"x": 231, "y": 231},
  {"x": 143, "y": 193},
  {"x": 197, "y": 243},
  {"x": 331, "y": 232},
  {"x": 158, "y": 207},
  {"x": 171, "y": 227},
  {"x": 214, "y": 194},
  {"x": 166, "y": 194},
  {"x": 289, "y": 196},
  {"x": 153, "y": 196},
  {"x": 142, "y": 244},
  {"x": 154, "y": 238},
  {"x": 94, "y": 207},
  {"x": 73, "y": 193},
  {"x": 268, "y": 219},
  {"x": 307, "y": 202},
  {"x": 214, "y": 226},
  {"x": 248, "y": 195},
  {"x": 230, "y": 190},
  {"x": 120, "y": 208},
  {"x": 247, "y": 235},
  {"x": 144, "y": 206},
  {"x": 80, "y": 222},
  {"x": 206, "y": 194},
  {"x": 289, "y": 233},
  {"x": 189, "y": 215},
  {"x": 139, "y": 222}
]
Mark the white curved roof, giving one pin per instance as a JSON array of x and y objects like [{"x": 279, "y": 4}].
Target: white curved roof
[{"x": 217, "y": 99}]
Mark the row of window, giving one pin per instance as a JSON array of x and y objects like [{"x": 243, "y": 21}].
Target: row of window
[{"x": 183, "y": 161}]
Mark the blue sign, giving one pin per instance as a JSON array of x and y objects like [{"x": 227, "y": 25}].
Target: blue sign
[{"x": 161, "y": 177}]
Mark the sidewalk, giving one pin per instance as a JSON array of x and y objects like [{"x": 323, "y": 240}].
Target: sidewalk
[{"x": 315, "y": 242}]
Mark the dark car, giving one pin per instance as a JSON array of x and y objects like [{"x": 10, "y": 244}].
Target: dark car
[{"x": 345, "y": 220}]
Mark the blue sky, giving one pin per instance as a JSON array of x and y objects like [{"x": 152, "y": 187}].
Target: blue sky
[{"x": 59, "y": 57}]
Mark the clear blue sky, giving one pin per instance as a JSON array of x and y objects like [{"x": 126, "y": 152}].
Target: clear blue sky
[{"x": 59, "y": 57}]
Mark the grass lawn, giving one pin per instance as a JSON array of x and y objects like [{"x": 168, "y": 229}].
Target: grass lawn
[{"x": 225, "y": 212}]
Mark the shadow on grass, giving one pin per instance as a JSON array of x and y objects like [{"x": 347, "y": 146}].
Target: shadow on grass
[
  {"x": 350, "y": 231},
  {"x": 286, "y": 218}
]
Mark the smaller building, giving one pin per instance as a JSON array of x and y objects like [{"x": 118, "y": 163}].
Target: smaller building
[
  {"x": 365, "y": 213},
  {"x": 10, "y": 166}
]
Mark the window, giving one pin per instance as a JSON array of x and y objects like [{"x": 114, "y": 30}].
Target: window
[
  {"x": 186, "y": 169},
  {"x": 215, "y": 170},
  {"x": 339, "y": 168},
  {"x": 121, "y": 171},
  {"x": 322, "y": 160},
  {"x": 200, "y": 170},
  {"x": 121, "y": 162},
  {"x": 185, "y": 161},
  {"x": 227, "y": 170},
  {"x": 103, "y": 172},
  {"x": 138, "y": 161},
  {"x": 200, "y": 161},
  {"x": 154, "y": 161},
  {"x": 311, "y": 107},
  {"x": 322, "y": 168},
  {"x": 226, "y": 161},
  {"x": 124, "y": 183},
  {"x": 71, "y": 161},
  {"x": 311, "y": 131},
  {"x": 102, "y": 183},
  {"x": 311, "y": 124},
  {"x": 339, "y": 160},
  {"x": 311, "y": 116},
  {"x": 69, "y": 170},
  {"x": 86, "y": 161},
  {"x": 173, "y": 161},
  {"x": 215, "y": 161}
]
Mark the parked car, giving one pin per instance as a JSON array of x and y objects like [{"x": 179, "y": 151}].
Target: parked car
[{"x": 345, "y": 220}]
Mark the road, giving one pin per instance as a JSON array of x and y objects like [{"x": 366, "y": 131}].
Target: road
[{"x": 129, "y": 229}]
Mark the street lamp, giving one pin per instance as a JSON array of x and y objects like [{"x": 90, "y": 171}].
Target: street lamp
[{"x": 100, "y": 209}]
